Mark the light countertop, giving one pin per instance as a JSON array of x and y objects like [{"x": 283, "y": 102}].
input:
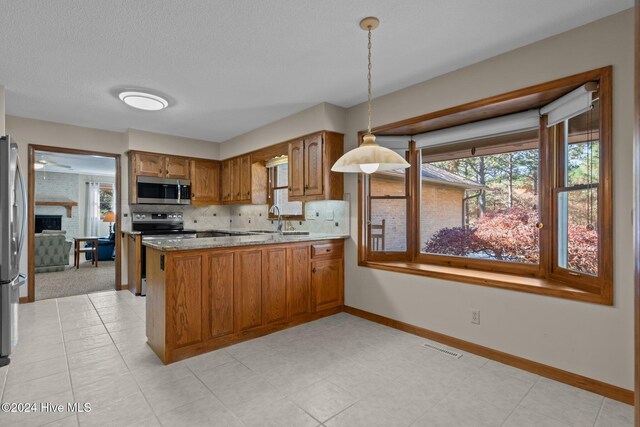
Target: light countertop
[{"x": 231, "y": 241}]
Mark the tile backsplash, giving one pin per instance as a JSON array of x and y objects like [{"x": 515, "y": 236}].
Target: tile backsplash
[{"x": 331, "y": 216}]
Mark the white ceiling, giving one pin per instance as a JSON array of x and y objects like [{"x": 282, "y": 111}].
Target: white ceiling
[
  {"x": 80, "y": 164},
  {"x": 232, "y": 66}
]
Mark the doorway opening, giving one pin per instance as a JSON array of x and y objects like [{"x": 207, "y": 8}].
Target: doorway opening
[{"x": 74, "y": 206}]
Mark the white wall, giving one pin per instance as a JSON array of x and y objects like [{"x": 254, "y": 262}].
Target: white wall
[
  {"x": 169, "y": 144},
  {"x": 588, "y": 339},
  {"x": 320, "y": 117}
]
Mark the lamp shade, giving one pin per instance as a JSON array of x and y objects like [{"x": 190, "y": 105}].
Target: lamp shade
[
  {"x": 109, "y": 217},
  {"x": 369, "y": 157}
]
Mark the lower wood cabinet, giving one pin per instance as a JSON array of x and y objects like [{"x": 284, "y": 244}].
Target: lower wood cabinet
[
  {"x": 327, "y": 283},
  {"x": 274, "y": 285},
  {"x": 248, "y": 288},
  {"x": 200, "y": 300},
  {"x": 218, "y": 296},
  {"x": 185, "y": 297},
  {"x": 298, "y": 283}
]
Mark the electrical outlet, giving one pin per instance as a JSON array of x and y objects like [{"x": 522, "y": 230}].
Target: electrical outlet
[{"x": 475, "y": 317}]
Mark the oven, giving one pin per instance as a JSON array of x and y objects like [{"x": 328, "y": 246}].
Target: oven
[{"x": 163, "y": 191}]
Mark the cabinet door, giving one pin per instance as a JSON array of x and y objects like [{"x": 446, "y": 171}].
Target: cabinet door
[
  {"x": 134, "y": 259},
  {"x": 274, "y": 285},
  {"x": 248, "y": 289},
  {"x": 184, "y": 300},
  {"x": 296, "y": 168},
  {"x": 225, "y": 181},
  {"x": 147, "y": 164},
  {"x": 235, "y": 178},
  {"x": 313, "y": 172},
  {"x": 176, "y": 167},
  {"x": 245, "y": 177},
  {"x": 298, "y": 281},
  {"x": 204, "y": 181},
  {"x": 217, "y": 296},
  {"x": 326, "y": 283}
]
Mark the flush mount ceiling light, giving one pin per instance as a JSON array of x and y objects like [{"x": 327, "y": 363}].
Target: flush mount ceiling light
[
  {"x": 369, "y": 157},
  {"x": 143, "y": 100}
]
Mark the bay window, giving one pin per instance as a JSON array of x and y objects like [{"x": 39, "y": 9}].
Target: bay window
[{"x": 515, "y": 192}]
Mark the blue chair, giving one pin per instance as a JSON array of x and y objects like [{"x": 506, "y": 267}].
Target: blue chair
[{"x": 106, "y": 249}]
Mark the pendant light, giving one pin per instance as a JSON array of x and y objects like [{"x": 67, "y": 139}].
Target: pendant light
[{"x": 369, "y": 157}]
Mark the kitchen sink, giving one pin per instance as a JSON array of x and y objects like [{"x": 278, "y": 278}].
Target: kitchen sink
[
  {"x": 295, "y": 233},
  {"x": 264, "y": 231}
]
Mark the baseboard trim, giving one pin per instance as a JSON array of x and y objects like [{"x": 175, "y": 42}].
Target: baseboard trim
[
  {"x": 23, "y": 300},
  {"x": 608, "y": 390}
]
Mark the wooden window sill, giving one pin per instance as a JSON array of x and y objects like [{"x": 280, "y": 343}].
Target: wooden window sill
[{"x": 532, "y": 285}]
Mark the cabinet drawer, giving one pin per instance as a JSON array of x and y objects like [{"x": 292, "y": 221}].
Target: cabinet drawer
[{"x": 326, "y": 250}]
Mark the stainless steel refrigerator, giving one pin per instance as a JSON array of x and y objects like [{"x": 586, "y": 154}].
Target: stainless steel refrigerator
[{"x": 13, "y": 206}]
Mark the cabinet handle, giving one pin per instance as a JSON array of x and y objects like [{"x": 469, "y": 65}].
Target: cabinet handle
[
  {"x": 328, "y": 250},
  {"x": 238, "y": 193},
  {"x": 289, "y": 188},
  {"x": 306, "y": 187},
  {"x": 313, "y": 270}
]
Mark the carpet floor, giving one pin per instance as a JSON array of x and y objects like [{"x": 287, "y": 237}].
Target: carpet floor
[{"x": 72, "y": 281}]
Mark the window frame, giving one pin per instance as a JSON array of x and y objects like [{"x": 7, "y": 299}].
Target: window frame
[
  {"x": 271, "y": 178},
  {"x": 105, "y": 187},
  {"x": 544, "y": 278}
]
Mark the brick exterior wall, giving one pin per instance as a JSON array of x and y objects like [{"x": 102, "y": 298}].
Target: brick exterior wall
[{"x": 441, "y": 208}]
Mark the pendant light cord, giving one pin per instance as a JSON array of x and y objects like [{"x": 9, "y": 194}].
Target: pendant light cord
[{"x": 369, "y": 83}]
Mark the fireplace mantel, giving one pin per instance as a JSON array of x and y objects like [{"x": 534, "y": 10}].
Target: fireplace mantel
[{"x": 64, "y": 203}]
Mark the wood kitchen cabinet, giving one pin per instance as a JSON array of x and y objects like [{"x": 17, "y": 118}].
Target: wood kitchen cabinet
[
  {"x": 155, "y": 165},
  {"x": 243, "y": 181},
  {"x": 186, "y": 300},
  {"x": 327, "y": 275},
  {"x": 225, "y": 181},
  {"x": 200, "y": 300},
  {"x": 298, "y": 284},
  {"x": 147, "y": 164},
  {"x": 134, "y": 262},
  {"x": 218, "y": 296},
  {"x": 248, "y": 287},
  {"x": 310, "y": 161},
  {"x": 296, "y": 168},
  {"x": 274, "y": 285},
  {"x": 176, "y": 167},
  {"x": 205, "y": 179}
]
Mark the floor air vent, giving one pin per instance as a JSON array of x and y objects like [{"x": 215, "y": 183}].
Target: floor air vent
[{"x": 442, "y": 350}]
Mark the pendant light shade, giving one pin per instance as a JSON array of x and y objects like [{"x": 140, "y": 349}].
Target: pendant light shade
[{"x": 369, "y": 157}]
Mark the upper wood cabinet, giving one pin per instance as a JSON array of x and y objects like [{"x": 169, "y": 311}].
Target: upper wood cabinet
[
  {"x": 176, "y": 167},
  {"x": 147, "y": 164},
  {"x": 296, "y": 168},
  {"x": 205, "y": 179},
  {"x": 243, "y": 181},
  {"x": 310, "y": 161},
  {"x": 225, "y": 181},
  {"x": 203, "y": 174}
]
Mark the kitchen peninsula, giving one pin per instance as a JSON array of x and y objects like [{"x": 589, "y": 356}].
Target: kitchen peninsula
[{"x": 207, "y": 293}]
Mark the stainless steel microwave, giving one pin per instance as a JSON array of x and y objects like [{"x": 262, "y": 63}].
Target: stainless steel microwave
[{"x": 163, "y": 191}]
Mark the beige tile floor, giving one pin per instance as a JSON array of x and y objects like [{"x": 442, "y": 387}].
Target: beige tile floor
[{"x": 338, "y": 371}]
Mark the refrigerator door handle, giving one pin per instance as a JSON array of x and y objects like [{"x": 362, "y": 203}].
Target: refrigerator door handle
[{"x": 23, "y": 191}]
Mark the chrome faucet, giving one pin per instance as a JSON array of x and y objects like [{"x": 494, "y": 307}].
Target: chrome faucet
[{"x": 276, "y": 210}]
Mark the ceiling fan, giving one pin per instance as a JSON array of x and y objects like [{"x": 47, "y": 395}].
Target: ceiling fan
[{"x": 40, "y": 164}]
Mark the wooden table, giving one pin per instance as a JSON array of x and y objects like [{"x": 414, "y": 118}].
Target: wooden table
[{"x": 78, "y": 249}]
